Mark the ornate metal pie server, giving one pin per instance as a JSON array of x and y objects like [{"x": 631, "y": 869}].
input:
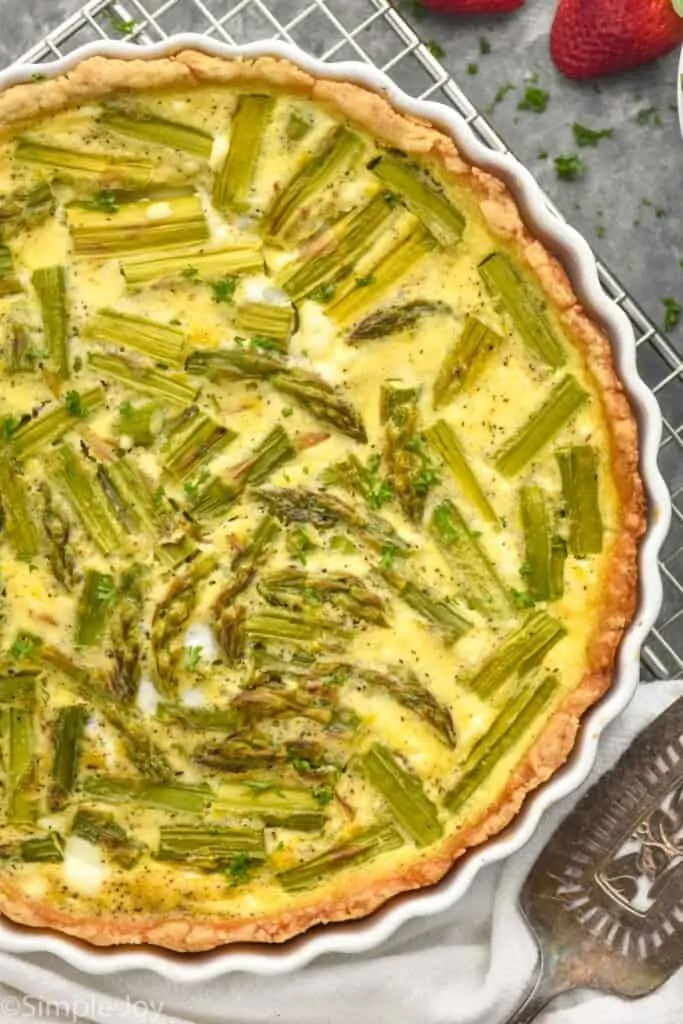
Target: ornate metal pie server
[{"x": 605, "y": 898}]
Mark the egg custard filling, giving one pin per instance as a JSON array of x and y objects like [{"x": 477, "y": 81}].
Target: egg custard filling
[{"x": 320, "y": 503}]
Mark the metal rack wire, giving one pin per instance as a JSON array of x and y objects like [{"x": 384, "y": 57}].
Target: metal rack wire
[{"x": 337, "y": 29}]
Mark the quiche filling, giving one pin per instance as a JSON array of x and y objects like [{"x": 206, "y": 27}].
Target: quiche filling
[{"x": 307, "y": 506}]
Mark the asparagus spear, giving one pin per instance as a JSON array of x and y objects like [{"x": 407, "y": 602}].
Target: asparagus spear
[
  {"x": 233, "y": 183},
  {"x": 439, "y": 613},
  {"x": 233, "y": 364},
  {"x": 20, "y": 356},
  {"x": 411, "y": 473},
  {"x": 47, "y": 849},
  {"x": 70, "y": 163},
  {"x": 103, "y": 830},
  {"x": 524, "y": 306},
  {"x": 36, "y": 434},
  {"x": 544, "y": 580},
  {"x": 25, "y": 207},
  {"x": 267, "y": 319},
  {"x": 170, "y": 220},
  {"x": 324, "y": 510},
  {"x": 208, "y": 848},
  {"x": 322, "y": 400},
  {"x": 145, "y": 127},
  {"x": 171, "y": 616},
  {"x": 384, "y": 276},
  {"x": 22, "y": 796},
  {"x": 299, "y": 590},
  {"x": 562, "y": 404},
  {"x": 50, "y": 286},
  {"x": 203, "y": 718},
  {"x": 538, "y": 633},
  {"x": 67, "y": 749},
  {"x": 464, "y": 363},
  {"x": 275, "y": 803},
  {"x": 231, "y": 633},
  {"x": 406, "y": 689},
  {"x": 443, "y": 439},
  {"x": 9, "y": 282},
  {"x": 87, "y": 499},
  {"x": 297, "y": 127},
  {"x": 140, "y": 423},
  {"x": 579, "y": 472},
  {"x": 477, "y": 579},
  {"x": 293, "y": 213},
  {"x": 193, "y": 441},
  {"x": 402, "y": 789},
  {"x": 163, "y": 796},
  {"x": 160, "y": 342},
  {"x": 348, "y": 240},
  {"x": 221, "y": 492},
  {"x": 97, "y": 597},
  {"x": 423, "y": 196},
  {"x": 250, "y": 556},
  {"x": 193, "y": 263},
  {"x": 394, "y": 319},
  {"x": 252, "y": 751},
  {"x": 361, "y": 846},
  {"x": 508, "y": 728},
  {"x": 57, "y": 537},
  {"x": 312, "y": 632},
  {"x": 173, "y": 388},
  {"x": 19, "y": 528},
  {"x": 126, "y": 636}
]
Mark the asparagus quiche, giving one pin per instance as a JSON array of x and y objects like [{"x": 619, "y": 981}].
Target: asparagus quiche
[{"x": 320, "y": 503}]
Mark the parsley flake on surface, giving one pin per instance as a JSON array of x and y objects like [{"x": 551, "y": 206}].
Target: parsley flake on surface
[
  {"x": 224, "y": 289},
  {"x": 74, "y": 405},
  {"x": 672, "y": 312},
  {"x": 535, "y": 99},
  {"x": 435, "y": 49},
  {"x": 589, "y": 136},
  {"x": 569, "y": 166}
]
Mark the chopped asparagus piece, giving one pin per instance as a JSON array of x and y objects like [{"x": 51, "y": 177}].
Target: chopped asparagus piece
[
  {"x": 25, "y": 208},
  {"x": 322, "y": 400},
  {"x": 508, "y": 728},
  {"x": 402, "y": 789},
  {"x": 36, "y": 434},
  {"x": 173, "y": 388},
  {"x": 324, "y": 510},
  {"x": 439, "y": 613},
  {"x": 140, "y": 423},
  {"x": 364, "y": 845},
  {"x": 246, "y": 561},
  {"x": 394, "y": 319},
  {"x": 193, "y": 441},
  {"x": 87, "y": 499},
  {"x": 299, "y": 590},
  {"x": 208, "y": 849},
  {"x": 477, "y": 579},
  {"x": 57, "y": 537},
  {"x": 171, "y": 615},
  {"x": 544, "y": 582},
  {"x": 47, "y": 849},
  {"x": 464, "y": 363},
  {"x": 193, "y": 264},
  {"x": 561, "y": 405},
  {"x": 70, "y": 163},
  {"x": 97, "y": 597},
  {"x": 423, "y": 196},
  {"x": 103, "y": 830},
  {"x": 538, "y": 633},
  {"x": 22, "y": 795},
  {"x": 9, "y": 282},
  {"x": 384, "y": 276},
  {"x": 161, "y": 342},
  {"x": 231, "y": 633},
  {"x": 579, "y": 471},
  {"x": 309, "y": 631},
  {"x": 147, "y": 128},
  {"x": 297, "y": 127},
  {"x": 275, "y": 803},
  {"x": 204, "y": 718},
  {"x": 525, "y": 308},
  {"x": 168, "y": 219},
  {"x": 406, "y": 689},
  {"x": 67, "y": 743},
  {"x": 170, "y": 796},
  {"x": 50, "y": 286},
  {"x": 349, "y": 240},
  {"x": 20, "y": 356},
  {"x": 18, "y": 526},
  {"x": 364, "y": 480},
  {"x": 233, "y": 183},
  {"x": 126, "y": 637},
  {"x": 266, "y": 319},
  {"x": 233, "y": 364},
  {"x": 411, "y": 473},
  {"x": 443, "y": 439},
  {"x": 19, "y": 689}
]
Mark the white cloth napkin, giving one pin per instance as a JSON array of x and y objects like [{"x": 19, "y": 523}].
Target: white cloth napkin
[{"x": 469, "y": 965}]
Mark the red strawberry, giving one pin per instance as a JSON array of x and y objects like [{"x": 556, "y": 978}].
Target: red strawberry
[
  {"x": 474, "y": 6},
  {"x": 602, "y": 37}
]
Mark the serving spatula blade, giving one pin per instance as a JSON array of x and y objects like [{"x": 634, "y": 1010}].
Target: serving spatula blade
[{"x": 605, "y": 898}]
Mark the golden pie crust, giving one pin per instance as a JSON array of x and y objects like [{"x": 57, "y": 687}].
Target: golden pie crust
[{"x": 367, "y": 890}]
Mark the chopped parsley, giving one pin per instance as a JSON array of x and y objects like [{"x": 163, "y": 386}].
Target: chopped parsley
[
  {"x": 535, "y": 99},
  {"x": 24, "y": 646},
  {"x": 299, "y": 544},
  {"x": 599, "y": 230},
  {"x": 121, "y": 25},
  {"x": 104, "y": 201},
  {"x": 569, "y": 166},
  {"x": 649, "y": 115},
  {"x": 106, "y": 590},
  {"x": 189, "y": 271},
  {"x": 484, "y": 46},
  {"x": 323, "y": 293},
  {"x": 193, "y": 655},
  {"x": 363, "y": 282},
  {"x": 672, "y": 313},
  {"x": 323, "y": 795},
  {"x": 435, "y": 49},
  {"x": 9, "y": 425},
  {"x": 74, "y": 405},
  {"x": 522, "y": 600},
  {"x": 240, "y": 868},
  {"x": 388, "y": 556},
  {"x": 501, "y": 93},
  {"x": 224, "y": 289},
  {"x": 473, "y": 69},
  {"x": 589, "y": 136}
]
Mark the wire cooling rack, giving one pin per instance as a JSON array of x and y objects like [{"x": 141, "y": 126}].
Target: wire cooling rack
[{"x": 375, "y": 32}]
